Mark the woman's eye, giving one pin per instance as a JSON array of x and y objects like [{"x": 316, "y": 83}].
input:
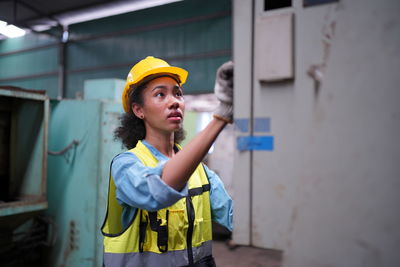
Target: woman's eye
[
  {"x": 160, "y": 94},
  {"x": 179, "y": 92}
]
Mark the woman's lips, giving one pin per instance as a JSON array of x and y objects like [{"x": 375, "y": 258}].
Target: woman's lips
[{"x": 175, "y": 116}]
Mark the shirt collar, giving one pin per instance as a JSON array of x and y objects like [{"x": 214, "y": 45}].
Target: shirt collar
[{"x": 155, "y": 152}]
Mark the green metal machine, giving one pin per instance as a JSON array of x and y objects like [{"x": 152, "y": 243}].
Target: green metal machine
[
  {"x": 82, "y": 133},
  {"x": 53, "y": 187}
]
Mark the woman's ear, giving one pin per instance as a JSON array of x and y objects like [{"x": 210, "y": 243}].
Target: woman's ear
[{"x": 137, "y": 110}]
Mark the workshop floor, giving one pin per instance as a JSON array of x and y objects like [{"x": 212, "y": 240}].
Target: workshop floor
[{"x": 245, "y": 256}]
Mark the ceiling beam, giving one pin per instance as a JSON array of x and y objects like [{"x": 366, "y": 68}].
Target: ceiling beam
[{"x": 40, "y": 13}]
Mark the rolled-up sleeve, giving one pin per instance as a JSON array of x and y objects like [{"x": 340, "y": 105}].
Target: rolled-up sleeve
[
  {"x": 221, "y": 202},
  {"x": 140, "y": 186}
]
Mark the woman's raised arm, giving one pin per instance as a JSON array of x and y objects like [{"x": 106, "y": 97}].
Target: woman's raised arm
[{"x": 179, "y": 168}]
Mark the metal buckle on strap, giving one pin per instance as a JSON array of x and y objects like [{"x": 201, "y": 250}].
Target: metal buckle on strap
[
  {"x": 162, "y": 230},
  {"x": 142, "y": 231}
]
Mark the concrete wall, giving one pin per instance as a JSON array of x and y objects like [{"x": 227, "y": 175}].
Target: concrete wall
[{"x": 327, "y": 195}]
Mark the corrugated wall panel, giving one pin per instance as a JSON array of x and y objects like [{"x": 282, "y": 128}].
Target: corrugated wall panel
[
  {"x": 30, "y": 68},
  {"x": 192, "y": 34},
  {"x": 29, "y": 63},
  {"x": 148, "y": 18},
  {"x": 50, "y": 84},
  {"x": 26, "y": 42},
  {"x": 177, "y": 42}
]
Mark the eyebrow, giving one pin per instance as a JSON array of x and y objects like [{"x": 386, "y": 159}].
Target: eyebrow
[{"x": 165, "y": 87}]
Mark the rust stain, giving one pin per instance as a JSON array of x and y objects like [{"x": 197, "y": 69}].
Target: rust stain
[
  {"x": 26, "y": 200},
  {"x": 293, "y": 218},
  {"x": 71, "y": 242},
  {"x": 317, "y": 71},
  {"x": 24, "y": 90}
]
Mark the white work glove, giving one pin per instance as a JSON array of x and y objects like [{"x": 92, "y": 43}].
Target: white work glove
[{"x": 223, "y": 89}]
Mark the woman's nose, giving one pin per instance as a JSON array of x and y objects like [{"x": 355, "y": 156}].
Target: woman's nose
[{"x": 173, "y": 102}]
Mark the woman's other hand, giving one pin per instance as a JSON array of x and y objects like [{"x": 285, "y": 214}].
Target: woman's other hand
[{"x": 223, "y": 89}]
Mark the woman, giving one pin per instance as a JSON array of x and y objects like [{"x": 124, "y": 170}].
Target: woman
[{"x": 162, "y": 199}]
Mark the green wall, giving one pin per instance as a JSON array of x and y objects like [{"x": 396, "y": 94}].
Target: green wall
[{"x": 192, "y": 34}]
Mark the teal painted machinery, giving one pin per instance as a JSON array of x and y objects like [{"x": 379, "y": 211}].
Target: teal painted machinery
[
  {"x": 81, "y": 131},
  {"x": 54, "y": 174}
]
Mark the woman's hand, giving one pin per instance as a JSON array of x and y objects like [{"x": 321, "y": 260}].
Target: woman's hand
[{"x": 223, "y": 89}]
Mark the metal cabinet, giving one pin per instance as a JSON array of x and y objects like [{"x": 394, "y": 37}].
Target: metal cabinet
[
  {"x": 81, "y": 138},
  {"x": 23, "y": 158}
]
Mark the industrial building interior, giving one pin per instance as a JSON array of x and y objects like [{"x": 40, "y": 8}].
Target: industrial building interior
[{"x": 311, "y": 160}]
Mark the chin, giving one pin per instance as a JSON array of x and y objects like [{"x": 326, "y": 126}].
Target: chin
[{"x": 177, "y": 128}]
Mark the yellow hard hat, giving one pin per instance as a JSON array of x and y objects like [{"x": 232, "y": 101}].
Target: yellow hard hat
[{"x": 149, "y": 66}]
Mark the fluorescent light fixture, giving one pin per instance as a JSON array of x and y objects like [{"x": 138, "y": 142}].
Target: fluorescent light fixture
[
  {"x": 11, "y": 31},
  {"x": 41, "y": 27},
  {"x": 111, "y": 9},
  {"x": 105, "y": 10}
]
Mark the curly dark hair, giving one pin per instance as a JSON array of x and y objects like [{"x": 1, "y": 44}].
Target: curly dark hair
[{"x": 132, "y": 128}]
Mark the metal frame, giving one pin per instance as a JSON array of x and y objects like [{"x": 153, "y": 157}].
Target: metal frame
[{"x": 39, "y": 202}]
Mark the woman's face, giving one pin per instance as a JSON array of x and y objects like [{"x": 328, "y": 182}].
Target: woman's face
[{"x": 163, "y": 105}]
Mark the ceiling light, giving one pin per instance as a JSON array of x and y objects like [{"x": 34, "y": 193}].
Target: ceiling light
[
  {"x": 41, "y": 27},
  {"x": 11, "y": 31},
  {"x": 2, "y": 23},
  {"x": 109, "y": 9}
]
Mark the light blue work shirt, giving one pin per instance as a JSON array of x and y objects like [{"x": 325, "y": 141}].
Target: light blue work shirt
[{"x": 140, "y": 186}]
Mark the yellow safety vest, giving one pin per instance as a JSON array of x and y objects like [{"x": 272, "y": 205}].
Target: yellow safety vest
[{"x": 178, "y": 235}]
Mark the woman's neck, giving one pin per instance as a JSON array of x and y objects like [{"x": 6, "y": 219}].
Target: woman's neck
[{"x": 162, "y": 142}]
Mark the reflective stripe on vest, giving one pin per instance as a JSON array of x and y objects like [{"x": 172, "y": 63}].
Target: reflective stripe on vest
[
  {"x": 162, "y": 235},
  {"x": 169, "y": 259}
]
